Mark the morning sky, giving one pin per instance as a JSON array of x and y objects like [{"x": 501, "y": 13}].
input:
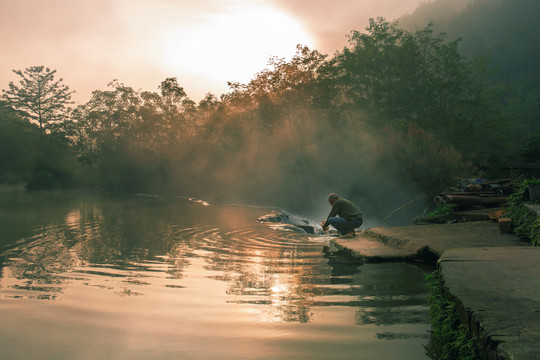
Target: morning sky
[{"x": 203, "y": 43}]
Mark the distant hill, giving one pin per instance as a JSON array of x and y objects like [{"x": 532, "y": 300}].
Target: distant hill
[
  {"x": 507, "y": 34},
  {"x": 507, "y": 31}
]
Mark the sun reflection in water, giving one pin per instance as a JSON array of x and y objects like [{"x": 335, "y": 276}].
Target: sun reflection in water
[{"x": 151, "y": 272}]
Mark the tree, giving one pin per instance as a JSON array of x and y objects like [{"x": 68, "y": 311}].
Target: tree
[
  {"x": 39, "y": 97},
  {"x": 398, "y": 77},
  {"x": 27, "y": 155},
  {"x": 18, "y": 145}
]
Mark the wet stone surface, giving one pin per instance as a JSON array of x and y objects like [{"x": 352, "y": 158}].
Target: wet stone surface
[{"x": 492, "y": 277}]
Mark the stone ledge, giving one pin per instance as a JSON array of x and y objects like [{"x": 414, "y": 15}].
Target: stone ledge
[
  {"x": 498, "y": 297},
  {"x": 491, "y": 276}
]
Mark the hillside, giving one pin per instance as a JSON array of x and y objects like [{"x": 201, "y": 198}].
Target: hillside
[{"x": 506, "y": 34}]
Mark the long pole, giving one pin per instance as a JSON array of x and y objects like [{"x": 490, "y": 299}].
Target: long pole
[{"x": 399, "y": 208}]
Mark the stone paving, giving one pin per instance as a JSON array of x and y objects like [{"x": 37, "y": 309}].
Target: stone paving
[
  {"x": 498, "y": 290},
  {"x": 493, "y": 277},
  {"x": 412, "y": 242}
]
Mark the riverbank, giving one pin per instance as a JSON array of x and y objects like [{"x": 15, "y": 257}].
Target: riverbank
[{"x": 491, "y": 276}]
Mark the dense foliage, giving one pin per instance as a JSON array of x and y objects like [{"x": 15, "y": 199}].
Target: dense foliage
[
  {"x": 505, "y": 34},
  {"x": 28, "y": 154},
  {"x": 393, "y": 115}
]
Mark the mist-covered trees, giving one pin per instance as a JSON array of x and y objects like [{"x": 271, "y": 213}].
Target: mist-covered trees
[
  {"x": 32, "y": 157},
  {"x": 39, "y": 97},
  {"x": 397, "y": 78},
  {"x": 38, "y": 156},
  {"x": 505, "y": 34},
  {"x": 394, "y": 114},
  {"x": 128, "y": 136},
  {"x": 19, "y": 141}
]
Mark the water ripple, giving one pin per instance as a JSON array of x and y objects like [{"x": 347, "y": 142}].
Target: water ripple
[{"x": 185, "y": 275}]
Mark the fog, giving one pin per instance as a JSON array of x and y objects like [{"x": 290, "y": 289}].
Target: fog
[
  {"x": 246, "y": 149},
  {"x": 388, "y": 122}
]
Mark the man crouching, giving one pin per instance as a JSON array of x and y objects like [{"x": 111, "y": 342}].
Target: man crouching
[{"x": 344, "y": 216}]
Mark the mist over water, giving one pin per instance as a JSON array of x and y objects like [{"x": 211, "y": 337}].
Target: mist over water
[
  {"x": 296, "y": 132},
  {"x": 132, "y": 277},
  {"x": 296, "y": 170},
  {"x": 391, "y": 119},
  {"x": 168, "y": 259}
]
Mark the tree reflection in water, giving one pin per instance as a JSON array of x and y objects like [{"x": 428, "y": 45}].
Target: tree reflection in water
[{"x": 164, "y": 250}]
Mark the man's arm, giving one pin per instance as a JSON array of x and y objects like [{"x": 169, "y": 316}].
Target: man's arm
[{"x": 333, "y": 212}]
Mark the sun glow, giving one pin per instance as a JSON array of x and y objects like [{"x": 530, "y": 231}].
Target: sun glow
[{"x": 232, "y": 46}]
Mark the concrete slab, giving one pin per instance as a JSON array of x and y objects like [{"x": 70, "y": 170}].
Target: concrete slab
[
  {"x": 440, "y": 237},
  {"x": 422, "y": 242},
  {"x": 492, "y": 277},
  {"x": 499, "y": 292},
  {"x": 369, "y": 249}
]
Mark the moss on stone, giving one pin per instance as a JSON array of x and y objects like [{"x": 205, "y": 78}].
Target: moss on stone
[{"x": 450, "y": 339}]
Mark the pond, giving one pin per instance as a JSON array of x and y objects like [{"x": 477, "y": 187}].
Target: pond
[{"x": 90, "y": 276}]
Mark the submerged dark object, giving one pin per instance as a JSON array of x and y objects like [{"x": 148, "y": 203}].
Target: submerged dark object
[{"x": 300, "y": 225}]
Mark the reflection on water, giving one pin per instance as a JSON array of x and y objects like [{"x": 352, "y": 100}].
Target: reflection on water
[{"x": 130, "y": 277}]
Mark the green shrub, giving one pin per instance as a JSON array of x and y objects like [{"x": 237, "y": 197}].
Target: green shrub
[
  {"x": 425, "y": 160},
  {"x": 530, "y": 152},
  {"x": 440, "y": 213},
  {"x": 450, "y": 340},
  {"x": 49, "y": 173}
]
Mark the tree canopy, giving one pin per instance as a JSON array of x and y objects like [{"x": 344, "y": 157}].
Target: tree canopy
[
  {"x": 39, "y": 97},
  {"x": 392, "y": 114}
]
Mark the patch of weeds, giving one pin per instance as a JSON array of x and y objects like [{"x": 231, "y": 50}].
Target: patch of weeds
[
  {"x": 450, "y": 340},
  {"x": 442, "y": 213}
]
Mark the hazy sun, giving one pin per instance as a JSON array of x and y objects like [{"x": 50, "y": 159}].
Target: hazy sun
[{"x": 232, "y": 46}]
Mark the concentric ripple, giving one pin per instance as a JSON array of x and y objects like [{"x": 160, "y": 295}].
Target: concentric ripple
[{"x": 141, "y": 278}]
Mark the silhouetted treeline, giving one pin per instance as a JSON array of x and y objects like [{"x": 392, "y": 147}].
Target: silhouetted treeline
[
  {"x": 392, "y": 116},
  {"x": 29, "y": 155}
]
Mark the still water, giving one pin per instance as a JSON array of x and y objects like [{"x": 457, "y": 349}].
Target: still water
[{"x": 127, "y": 277}]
